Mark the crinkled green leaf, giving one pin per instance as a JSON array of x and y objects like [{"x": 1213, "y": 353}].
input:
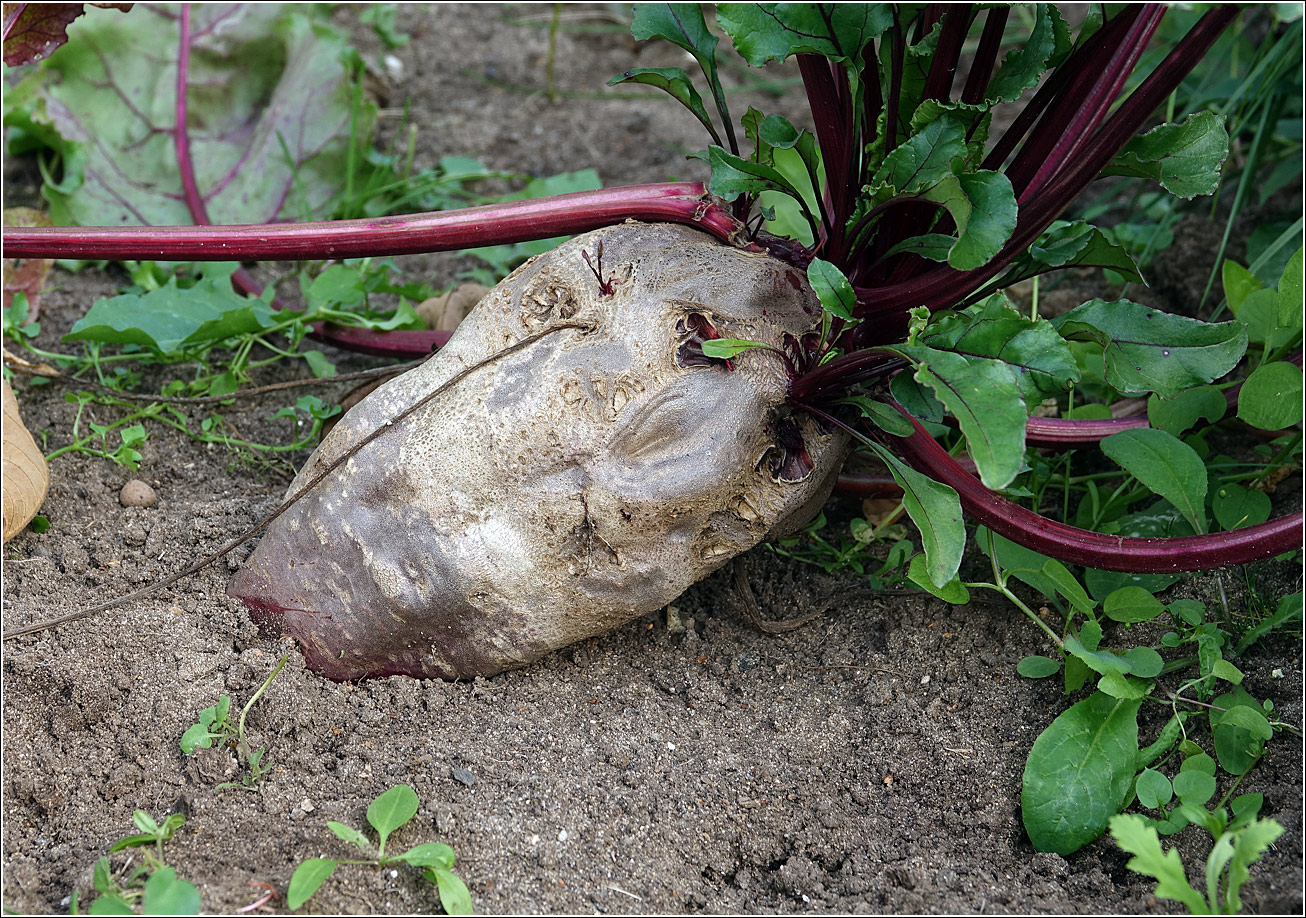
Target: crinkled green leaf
[
  {"x": 1165, "y": 464},
  {"x": 984, "y": 397},
  {"x": 267, "y": 84},
  {"x": 936, "y": 510},
  {"x": 1136, "y": 837},
  {"x": 1079, "y": 244},
  {"x": 1046, "y": 43},
  {"x": 983, "y": 207},
  {"x": 1186, "y": 158},
  {"x": 1041, "y": 358},
  {"x": 1151, "y": 351},
  {"x": 733, "y": 175},
  {"x": 773, "y": 31},
  {"x": 1176, "y": 415},
  {"x": 1271, "y": 398},
  {"x": 1078, "y": 773},
  {"x": 679, "y": 23},
  {"x": 1236, "y": 507},
  {"x": 925, "y": 159},
  {"x": 170, "y": 319}
]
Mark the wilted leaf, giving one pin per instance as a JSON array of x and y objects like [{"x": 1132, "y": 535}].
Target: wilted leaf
[
  {"x": 26, "y": 476},
  {"x": 26, "y": 275}
]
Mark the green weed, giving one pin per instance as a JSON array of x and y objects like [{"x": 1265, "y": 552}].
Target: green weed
[
  {"x": 214, "y": 728},
  {"x": 385, "y": 814}
]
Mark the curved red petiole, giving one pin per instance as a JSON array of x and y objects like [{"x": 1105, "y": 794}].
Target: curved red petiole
[{"x": 1095, "y": 549}]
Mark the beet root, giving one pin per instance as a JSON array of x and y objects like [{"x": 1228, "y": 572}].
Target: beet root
[{"x": 558, "y": 491}]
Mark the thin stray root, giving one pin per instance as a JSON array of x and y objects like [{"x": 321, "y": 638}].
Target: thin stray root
[
  {"x": 754, "y": 612},
  {"x": 317, "y": 479}
]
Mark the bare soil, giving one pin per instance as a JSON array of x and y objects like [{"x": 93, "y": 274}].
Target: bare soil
[{"x": 869, "y": 762}]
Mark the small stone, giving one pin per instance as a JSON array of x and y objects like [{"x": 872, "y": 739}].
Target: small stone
[
  {"x": 463, "y": 776},
  {"x": 562, "y": 836},
  {"x": 306, "y": 805},
  {"x": 137, "y": 493}
]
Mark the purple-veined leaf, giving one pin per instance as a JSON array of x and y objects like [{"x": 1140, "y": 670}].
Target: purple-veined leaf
[
  {"x": 33, "y": 30},
  {"x": 269, "y": 110}
]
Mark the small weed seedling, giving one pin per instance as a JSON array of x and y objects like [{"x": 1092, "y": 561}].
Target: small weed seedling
[
  {"x": 151, "y": 884},
  {"x": 386, "y": 814},
  {"x": 215, "y": 728}
]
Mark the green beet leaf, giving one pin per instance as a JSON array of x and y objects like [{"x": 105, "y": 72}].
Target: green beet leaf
[
  {"x": 1078, "y": 773},
  {"x": 983, "y": 206},
  {"x": 984, "y": 396},
  {"x": 1165, "y": 464},
  {"x": 1186, "y": 158},
  {"x": 1078, "y": 244},
  {"x": 832, "y": 288},
  {"x": 270, "y": 109},
  {"x": 923, "y": 160},
  {"x": 675, "y": 82},
  {"x": 936, "y": 511},
  {"x": 1047, "y": 43},
  {"x": 1271, "y": 398},
  {"x": 1041, "y": 358},
  {"x": 773, "y": 31},
  {"x": 1150, "y": 351}
]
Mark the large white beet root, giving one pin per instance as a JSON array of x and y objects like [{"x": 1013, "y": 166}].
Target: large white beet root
[{"x": 559, "y": 491}]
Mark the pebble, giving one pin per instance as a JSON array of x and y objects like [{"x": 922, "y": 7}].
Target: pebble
[
  {"x": 463, "y": 776},
  {"x": 137, "y": 493}
]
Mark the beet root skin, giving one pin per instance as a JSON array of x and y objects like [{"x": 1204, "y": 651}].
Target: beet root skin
[{"x": 559, "y": 491}]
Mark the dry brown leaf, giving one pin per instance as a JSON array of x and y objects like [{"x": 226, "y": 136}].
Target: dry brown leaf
[
  {"x": 26, "y": 275},
  {"x": 26, "y": 476},
  {"x": 446, "y": 311}
]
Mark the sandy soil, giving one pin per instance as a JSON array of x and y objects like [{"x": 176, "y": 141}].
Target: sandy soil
[{"x": 868, "y": 762}]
